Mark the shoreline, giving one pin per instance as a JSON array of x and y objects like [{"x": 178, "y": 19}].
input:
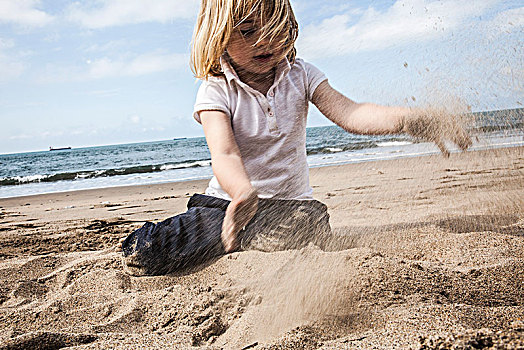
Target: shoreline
[
  {"x": 168, "y": 184},
  {"x": 390, "y": 151}
]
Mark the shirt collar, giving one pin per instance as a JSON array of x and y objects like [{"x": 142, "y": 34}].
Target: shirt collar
[{"x": 283, "y": 68}]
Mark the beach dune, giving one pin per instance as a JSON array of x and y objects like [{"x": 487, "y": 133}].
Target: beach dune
[{"x": 428, "y": 253}]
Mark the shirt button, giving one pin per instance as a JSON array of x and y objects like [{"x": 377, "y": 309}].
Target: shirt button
[
  {"x": 271, "y": 93},
  {"x": 271, "y": 114}
]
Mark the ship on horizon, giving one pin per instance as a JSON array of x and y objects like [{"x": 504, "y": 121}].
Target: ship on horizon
[{"x": 59, "y": 148}]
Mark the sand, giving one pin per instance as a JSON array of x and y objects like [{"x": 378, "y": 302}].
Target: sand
[{"x": 429, "y": 254}]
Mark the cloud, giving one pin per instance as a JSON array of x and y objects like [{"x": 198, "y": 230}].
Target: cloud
[
  {"x": 134, "y": 119},
  {"x": 20, "y": 137},
  {"x": 6, "y": 43},
  {"x": 310, "y": 9},
  {"x": 504, "y": 51},
  {"x": 140, "y": 65},
  {"x": 10, "y": 68},
  {"x": 110, "y": 46},
  {"x": 108, "y": 13},
  {"x": 107, "y": 67},
  {"x": 23, "y": 12},
  {"x": 404, "y": 22},
  {"x": 509, "y": 20},
  {"x": 104, "y": 93}
]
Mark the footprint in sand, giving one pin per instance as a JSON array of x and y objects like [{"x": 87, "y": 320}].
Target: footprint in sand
[{"x": 128, "y": 207}]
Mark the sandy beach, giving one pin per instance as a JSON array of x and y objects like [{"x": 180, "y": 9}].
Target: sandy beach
[{"x": 428, "y": 254}]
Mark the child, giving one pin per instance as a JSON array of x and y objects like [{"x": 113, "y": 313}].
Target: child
[{"x": 253, "y": 104}]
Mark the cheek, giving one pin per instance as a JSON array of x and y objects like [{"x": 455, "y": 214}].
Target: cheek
[
  {"x": 238, "y": 52},
  {"x": 234, "y": 55},
  {"x": 233, "y": 46}
]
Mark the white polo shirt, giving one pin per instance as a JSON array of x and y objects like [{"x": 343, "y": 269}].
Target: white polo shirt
[{"x": 270, "y": 130}]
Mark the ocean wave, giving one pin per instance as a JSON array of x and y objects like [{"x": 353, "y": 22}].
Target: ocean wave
[
  {"x": 341, "y": 148},
  {"x": 502, "y": 120},
  {"x": 394, "y": 143},
  {"x": 91, "y": 174},
  {"x": 497, "y": 127},
  {"x": 195, "y": 164}
]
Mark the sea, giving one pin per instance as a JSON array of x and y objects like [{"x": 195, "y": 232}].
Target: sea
[{"x": 182, "y": 159}]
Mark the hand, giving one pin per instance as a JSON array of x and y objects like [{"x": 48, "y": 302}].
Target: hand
[
  {"x": 238, "y": 214},
  {"x": 437, "y": 126}
]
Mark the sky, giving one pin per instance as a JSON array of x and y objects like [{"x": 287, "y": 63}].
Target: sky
[{"x": 87, "y": 73}]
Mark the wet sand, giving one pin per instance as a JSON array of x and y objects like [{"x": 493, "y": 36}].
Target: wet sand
[{"x": 429, "y": 254}]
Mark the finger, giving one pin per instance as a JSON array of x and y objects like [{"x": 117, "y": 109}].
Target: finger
[
  {"x": 458, "y": 134},
  {"x": 463, "y": 140},
  {"x": 237, "y": 216},
  {"x": 232, "y": 244},
  {"x": 228, "y": 235},
  {"x": 244, "y": 209},
  {"x": 442, "y": 148},
  {"x": 229, "y": 238}
]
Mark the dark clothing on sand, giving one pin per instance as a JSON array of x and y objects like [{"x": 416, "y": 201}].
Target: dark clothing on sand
[{"x": 192, "y": 238}]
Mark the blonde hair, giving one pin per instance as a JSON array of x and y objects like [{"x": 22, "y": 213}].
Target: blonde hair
[{"x": 218, "y": 18}]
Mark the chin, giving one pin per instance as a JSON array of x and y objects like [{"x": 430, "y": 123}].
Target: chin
[{"x": 263, "y": 68}]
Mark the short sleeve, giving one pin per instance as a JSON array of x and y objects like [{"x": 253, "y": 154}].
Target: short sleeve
[
  {"x": 211, "y": 96},
  {"x": 314, "y": 77}
]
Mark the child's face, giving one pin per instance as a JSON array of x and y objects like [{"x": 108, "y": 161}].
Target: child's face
[{"x": 257, "y": 59}]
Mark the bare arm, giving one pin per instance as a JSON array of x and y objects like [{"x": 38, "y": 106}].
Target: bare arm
[
  {"x": 358, "y": 118},
  {"x": 372, "y": 119},
  {"x": 231, "y": 174},
  {"x": 226, "y": 159}
]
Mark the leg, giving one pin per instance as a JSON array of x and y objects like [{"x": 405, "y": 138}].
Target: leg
[
  {"x": 287, "y": 224},
  {"x": 174, "y": 244}
]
